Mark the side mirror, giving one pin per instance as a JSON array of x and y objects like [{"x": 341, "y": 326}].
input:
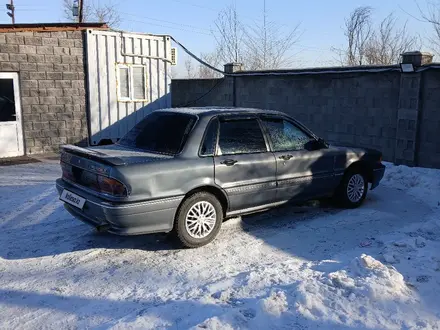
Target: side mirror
[
  {"x": 316, "y": 145},
  {"x": 323, "y": 143}
]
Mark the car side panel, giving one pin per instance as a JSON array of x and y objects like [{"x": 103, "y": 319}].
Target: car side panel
[
  {"x": 307, "y": 174},
  {"x": 248, "y": 183},
  {"x": 175, "y": 177}
]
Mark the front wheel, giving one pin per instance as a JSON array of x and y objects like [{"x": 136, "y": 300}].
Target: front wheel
[
  {"x": 198, "y": 220},
  {"x": 353, "y": 189}
]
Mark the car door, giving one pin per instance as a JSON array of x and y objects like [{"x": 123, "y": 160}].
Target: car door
[
  {"x": 302, "y": 172},
  {"x": 244, "y": 166}
]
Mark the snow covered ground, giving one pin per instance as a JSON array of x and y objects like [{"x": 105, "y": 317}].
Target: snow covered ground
[{"x": 297, "y": 267}]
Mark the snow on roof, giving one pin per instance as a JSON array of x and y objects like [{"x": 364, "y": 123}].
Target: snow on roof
[{"x": 216, "y": 110}]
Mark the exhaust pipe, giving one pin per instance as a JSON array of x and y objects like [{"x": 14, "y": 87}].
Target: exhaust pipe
[{"x": 102, "y": 228}]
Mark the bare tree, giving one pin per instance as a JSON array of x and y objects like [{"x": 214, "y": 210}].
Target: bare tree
[
  {"x": 267, "y": 44},
  {"x": 358, "y": 31},
  {"x": 174, "y": 72},
  {"x": 262, "y": 45},
  {"x": 190, "y": 69},
  {"x": 92, "y": 12},
  {"x": 258, "y": 46},
  {"x": 387, "y": 43},
  {"x": 215, "y": 60},
  {"x": 201, "y": 71},
  {"x": 68, "y": 10},
  {"x": 229, "y": 35},
  {"x": 432, "y": 16},
  {"x": 370, "y": 45}
]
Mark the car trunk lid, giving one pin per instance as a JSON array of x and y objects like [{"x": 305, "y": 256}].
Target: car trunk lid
[
  {"x": 87, "y": 167},
  {"x": 113, "y": 155}
]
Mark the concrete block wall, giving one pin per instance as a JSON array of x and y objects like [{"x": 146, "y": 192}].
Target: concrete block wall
[
  {"x": 391, "y": 111},
  {"x": 407, "y": 119},
  {"x": 429, "y": 120},
  {"x": 52, "y": 86},
  {"x": 358, "y": 109},
  {"x": 193, "y": 92}
]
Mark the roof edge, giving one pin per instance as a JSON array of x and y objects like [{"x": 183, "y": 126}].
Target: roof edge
[
  {"x": 362, "y": 68},
  {"x": 51, "y": 27}
]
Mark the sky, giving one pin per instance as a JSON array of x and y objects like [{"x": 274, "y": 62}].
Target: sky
[{"x": 190, "y": 21}]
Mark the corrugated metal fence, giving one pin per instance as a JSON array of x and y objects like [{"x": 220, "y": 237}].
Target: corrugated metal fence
[{"x": 128, "y": 76}]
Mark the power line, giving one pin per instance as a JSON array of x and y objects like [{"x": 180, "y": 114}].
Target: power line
[
  {"x": 168, "y": 22},
  {"x": 196, "y": 5},
  {"x": 219, "y": 10},
  {"x": 21, "y": 10},
  {"x": 208, "y": 31},
  {"x": 168, "y": 27},
  {"x": 197, "y": 58}
]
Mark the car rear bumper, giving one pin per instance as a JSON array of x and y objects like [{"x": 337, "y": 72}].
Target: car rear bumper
[
  {"x": 378, "y": 173},
  {"x": 124, "y": 218}
]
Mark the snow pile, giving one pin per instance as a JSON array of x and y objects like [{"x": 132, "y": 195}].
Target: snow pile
[
  {"x": 275, "y": 304},
  {"x": 416, "y": 254},
  {"x": 366, "y": 292},
  {"x": 264, "y": 313},
  {"x": 368, "y": 278},
  {"x": 228, "y": 321},
  {"x": 422, "y": 183}
]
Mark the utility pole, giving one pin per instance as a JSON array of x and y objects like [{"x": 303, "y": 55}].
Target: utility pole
[
  {"x": 80, "y": 15},
  {"x": 11, "y": 13}
]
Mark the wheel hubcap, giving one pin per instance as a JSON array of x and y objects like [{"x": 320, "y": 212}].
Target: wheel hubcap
[
  {"x": 200, "y": 219},
  {"x": 355, "y": 188}
]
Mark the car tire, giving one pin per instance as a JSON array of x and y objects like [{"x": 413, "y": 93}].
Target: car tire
[
  {"x": 353, "y": 189},
  {"x": 198, "y": 220}
]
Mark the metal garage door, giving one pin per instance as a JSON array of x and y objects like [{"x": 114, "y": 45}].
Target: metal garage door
[{"x": 11, "y": 134}]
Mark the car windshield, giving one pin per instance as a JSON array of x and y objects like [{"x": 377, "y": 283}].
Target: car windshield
[{"x": 160, "y": 132}]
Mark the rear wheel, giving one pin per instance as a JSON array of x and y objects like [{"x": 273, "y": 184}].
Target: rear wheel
[
  {"x": 198, "y": 220},
  {"x": 353, "y": 189}
]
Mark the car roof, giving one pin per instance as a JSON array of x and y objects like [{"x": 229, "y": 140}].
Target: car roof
[{"x": 212, "y": 111}]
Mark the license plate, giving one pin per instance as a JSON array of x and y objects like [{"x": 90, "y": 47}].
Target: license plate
[{"x": 72, "y": 199}]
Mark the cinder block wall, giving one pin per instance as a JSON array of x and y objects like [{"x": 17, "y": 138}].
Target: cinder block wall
[
  {"x": 396, "y": 113},
  {"x": 52, "y": 86},
  {"x": 201, "y": 92},
  {"x": 358, "y": 109},
  {"x": 429, "y": 120}
]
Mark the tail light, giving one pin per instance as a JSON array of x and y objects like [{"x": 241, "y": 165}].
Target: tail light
[
  {"x": 67, "y": 172},
  {"x": 93, "y": 181},
  {"x": 111, "y": 186}
]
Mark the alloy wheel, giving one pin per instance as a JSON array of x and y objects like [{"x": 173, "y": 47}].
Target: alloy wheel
[
  {"x": 200, "y": 219},
  {"x": 355, "y": 188}
]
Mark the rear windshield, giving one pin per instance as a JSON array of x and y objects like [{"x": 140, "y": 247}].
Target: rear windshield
[{"x": 160, "y": 132}]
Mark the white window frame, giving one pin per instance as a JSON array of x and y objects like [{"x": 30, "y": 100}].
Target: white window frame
[{"x": 131, "y": 97}]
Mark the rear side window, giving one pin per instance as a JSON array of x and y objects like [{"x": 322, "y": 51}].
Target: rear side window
[
  {"x": 210, "y": 140},
  {"x": 160, "y": 132},
  {"x": 241, "y": 137}
]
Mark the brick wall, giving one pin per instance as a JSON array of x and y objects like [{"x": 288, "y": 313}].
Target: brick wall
[{"x": 52, "y": 86}]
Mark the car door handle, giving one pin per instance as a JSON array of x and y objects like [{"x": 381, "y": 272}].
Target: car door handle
[
  {"x": 229, "y": 162},
  {"x": 285, "y": 157}
]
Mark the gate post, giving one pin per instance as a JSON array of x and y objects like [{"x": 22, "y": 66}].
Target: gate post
[{"x": 409, "y": 108}]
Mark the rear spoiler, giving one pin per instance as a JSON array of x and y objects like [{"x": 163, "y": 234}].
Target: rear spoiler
[{"x": 91, "y": 154}]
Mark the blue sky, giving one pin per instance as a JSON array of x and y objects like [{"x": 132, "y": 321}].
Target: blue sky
[{"x": 190, "y": 21}]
